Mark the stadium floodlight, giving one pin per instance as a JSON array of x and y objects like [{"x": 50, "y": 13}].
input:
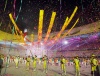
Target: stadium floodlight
[
  {"x": 65, "y": 42},
  {"x": 25, "y": 30},
  {"x": 41, "y": 43}
]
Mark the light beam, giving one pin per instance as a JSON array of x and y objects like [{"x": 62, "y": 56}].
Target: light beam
[
  {"x": 40, "y": 25},
  {"x": 71, "y": 28},
  {"x": 50, "y": 26}
]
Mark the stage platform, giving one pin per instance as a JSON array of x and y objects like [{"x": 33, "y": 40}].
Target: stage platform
[{"x": 52, "y": 71}]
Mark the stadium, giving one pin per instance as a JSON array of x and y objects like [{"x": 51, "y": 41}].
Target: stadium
[{"x": 49, "y": 34}]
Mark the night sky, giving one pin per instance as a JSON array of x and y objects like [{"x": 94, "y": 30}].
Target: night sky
[{"x": 26, "y": 13}]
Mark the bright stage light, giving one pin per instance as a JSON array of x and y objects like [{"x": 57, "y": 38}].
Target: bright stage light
[
  {"x": 65, "y": 42},
  {"x": 25, "y": 30},
  {"x": 41, "y": 43}
]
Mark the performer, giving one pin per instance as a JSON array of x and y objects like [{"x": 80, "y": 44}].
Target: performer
[
  {"x": 28, "y": 59},
  {"x": 63, "y": 65},
  {"x": 1, "y": 64},
  {"x": 16, "y": 60},
  {"x": 45, "y": 63},
  {"x": 77, "y": 66},
  {"x": 94, "y": 64},
  {"x": 7, "y": 61},
  {"x": 34, "y": 62}
]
